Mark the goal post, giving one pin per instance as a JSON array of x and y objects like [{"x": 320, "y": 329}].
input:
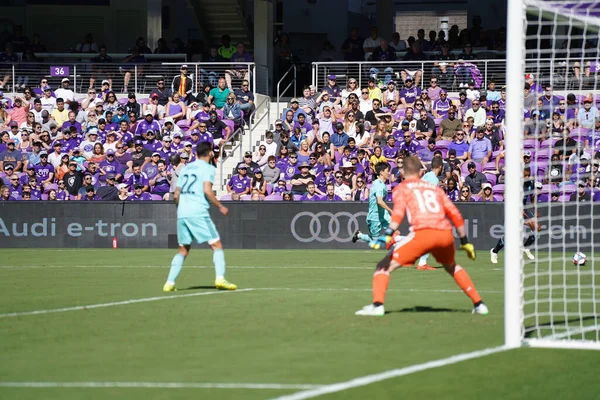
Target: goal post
[{"x": 550, "y": 301}]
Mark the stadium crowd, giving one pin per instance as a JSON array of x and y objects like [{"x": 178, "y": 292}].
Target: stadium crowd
[{"x": 326, "y": 144}]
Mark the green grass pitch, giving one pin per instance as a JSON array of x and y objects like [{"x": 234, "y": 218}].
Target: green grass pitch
[{"x": 295, "y": 327}]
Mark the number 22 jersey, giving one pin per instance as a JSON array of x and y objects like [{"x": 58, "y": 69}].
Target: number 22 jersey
[{"x": 192, "y": 201}]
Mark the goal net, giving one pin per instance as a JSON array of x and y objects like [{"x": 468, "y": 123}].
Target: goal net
[{"x": 552, "y": 143}]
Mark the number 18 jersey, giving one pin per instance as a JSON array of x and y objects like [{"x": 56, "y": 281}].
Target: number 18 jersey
[
  {"x": 425, "y": 205},
  {"x": 192, "y": 201}
]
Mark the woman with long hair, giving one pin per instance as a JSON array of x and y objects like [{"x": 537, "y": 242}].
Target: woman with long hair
[
  {"x": 427, "y": 103},
  {"x": 391, "y": 95},
  {"x": 304, "y": 152},
  {"x": 350, "y": 123},
  {"x": 362, "y": 137},
  {"x": 351, "y": 88},
  {"x": 4, "y": 118},
  {"x": 98, "y": 153},
  {"x": 111, "y": 104},
  {"x": 321, "y": 153},
  {"x": 452, "y": 189},
  {"x": 379, "y": 137},
  {"x": 282, "y": 157},
  {"x": 63, "y": 168},
  {"x": 259, "y": 183},
  {"x": 176, "y": 108},
  {"x": 111, "y": 141},
  {"x": 25, "y": 143},
  {"x": 361, "y": 193},
  {"x": 465, "y": 194},
  {"x": 52, "y": 195}
]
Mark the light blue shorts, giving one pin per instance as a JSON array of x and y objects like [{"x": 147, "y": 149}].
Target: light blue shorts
[
  {"x": 375, "y": 227},
  {"x": 200, "y": 229}
]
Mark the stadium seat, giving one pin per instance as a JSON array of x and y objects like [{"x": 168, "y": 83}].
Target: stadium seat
[
  {"x": 498, "y": 197},
  {"x": 50, "y": 186},
  {"x": 297, "y": 197},
  {"x": 475, "y": 197},
  {"x": 549, "y": 142},
  {"x": 491, "y": 178},
  {"x": 564, "y": 198},
  {"x": 442, "y": 144},
  {"x": 568, "y": 188},
  {"x": 548, "y": 188},
  {"x": 273, "y": 197},
  {"x": 498, "y": 189},
  {"x": 44, "y": 196},
  {"x": 530, "y": 144},
  {"x": 579, "y": 134},
  {"x": 491, "y": 166},
  {"x": 156, "y": 197},
  {"x": 226, "y": 197},
  {"x": 246, "y": 197}
]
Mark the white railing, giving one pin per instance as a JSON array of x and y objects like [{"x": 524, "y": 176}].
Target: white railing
[
  {"x": 281, "y": 92},
  {"x": 142, "y": 77}
]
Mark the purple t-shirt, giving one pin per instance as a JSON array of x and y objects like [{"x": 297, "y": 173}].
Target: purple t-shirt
[
  {"x": 390, "y": 152},
  {"x": 153, "y": 145},
  {"x": 68, "y": 124},
  {"x": 410, "y": 95},
  {"x": 442, "y": 107},
  {"x": 43, "y": 171},
  {"x": 289, "y": 171},
  {"x": 321, "y": 182},
  {"x": 161, "y": 185},
  {"x": 460, "y": 148},
  {"x": 425, "y": 154},
  {"x": 141, "y": 179},
  {"x": 239, "y": 184},
  {"x": 453, "y": 195},
  {"x": 15, "y": 192},
  {"x": 202, "y": 116},
  {"x": 305, "y": 197},
  {"x": 143, "y": 126},
  {"x": 151, "y": 170},
  {"x": 143, "y": 197},
  {"x": 498, "y": 118},
  {"x": 335, "y": 198},
  {"x": 165, "y": 154},
  {"x": 412, "y": 147},
  {"x": 244, "y": 58},
  {"x": 62, "y": 194},
  {"x": 113, "y": 167}
]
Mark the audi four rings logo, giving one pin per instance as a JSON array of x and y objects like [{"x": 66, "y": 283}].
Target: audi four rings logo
[{"x": 325, "y": 227}]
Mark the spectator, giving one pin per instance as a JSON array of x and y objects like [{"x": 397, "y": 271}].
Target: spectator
[
  {"x": 240, "y": 71},
  {"x": 271, "y": 172},
  {"x": 139, "y": 193},
  {"x": 156, "y": 109},
  {"x": 397, "y": 44},
  {"x": 587, "y": 114},
  {"x": 130, "y": 64},
  {"x": 374, "y": 113},
  {"x": 11, "y": 156},
  {"x": 132, "y": 106},
  {"x": 486, "y": 194},
  {"x": 410, "y": 93},
  {"x": 337, "y": 189},
  {"x": 426, "y": 153},
  {"x": 433, "y": 91},
  {"x": 478, "y": 113},
  {"x": 480, "y": 149},
  {"x": 491, "y": 132},
  {"x": 581, "y": 195},
  {"x": 239, "y": 183},
  {"x": 176, "y": 108},
  {"x": 73, "y": 179},
  {"x": 442, "y": 105},
  {"x": 565, "y": 146},
  {"x": 475, "y": 179},
  {"x": 300, "y": 180},
  {"x": 415, "y": 53},
  {"x": 163, "y": 93},
  {"x": 183, "y": 85},
  {"x": 449, "y": 126},
  {"x": 245, "y": 98},
  {"x": 425, "y": 127},
  {"x": 339, "y": 139},
  {"x": 383, "y": 52},
  {"x": 334, "y": 91},
  {"x": 60, "y": 114},
  {"x": 352, "y": 48},
  {"x": 391, "y": 95},
  {"x": 227, "y": 49},
  {"x": 534, "y": 128},
  {"x": 371, "y": 43},
  {"x": 123, "y": 194},
  {"x": 549, "y": 100},
  {"x": 99, "y": 67},
  {"x": 218, "y": 95},
  {"x": 232, "y": 110}
]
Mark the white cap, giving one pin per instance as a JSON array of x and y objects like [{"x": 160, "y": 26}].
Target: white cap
[
  {"x": 106, "y": 81},
  {"x": 148, "y": 112},
  {"x": 169, "y": 119},
  {"x": 65, "y": 80},
  {"x": 122, "y": 186}
]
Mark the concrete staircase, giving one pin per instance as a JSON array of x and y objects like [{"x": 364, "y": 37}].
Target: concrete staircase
[
  {"x": 248, "y": 141},
  {"x": 217, "y": 18}
]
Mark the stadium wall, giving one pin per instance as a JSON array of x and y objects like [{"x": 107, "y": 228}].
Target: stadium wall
[{"x": 249, "y": 225}]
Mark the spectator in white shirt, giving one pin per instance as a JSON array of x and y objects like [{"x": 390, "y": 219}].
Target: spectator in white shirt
[
  {"x": 370, "y": 44},
  {"x": 48, "y": 102},
  {"x": 65, "y": 92}
]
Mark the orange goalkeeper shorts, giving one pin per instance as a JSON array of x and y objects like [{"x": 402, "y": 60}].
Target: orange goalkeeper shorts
[{"x": 439, "y": 243}]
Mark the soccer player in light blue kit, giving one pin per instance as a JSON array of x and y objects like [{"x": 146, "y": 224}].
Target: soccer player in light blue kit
[
  {"x": 378, "y": 217},
  {"x": 432, "y": 177},
  {"x": 192, "y": 195}
]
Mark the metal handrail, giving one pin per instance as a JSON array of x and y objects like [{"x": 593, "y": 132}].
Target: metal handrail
[
  {"x": 279, "y": 94},
  {"x": 253, "y": 125},
  {"x": 239, "y": 131}
]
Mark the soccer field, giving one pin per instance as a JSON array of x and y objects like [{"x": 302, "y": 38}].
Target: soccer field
[{"x": 95, "y": 324}]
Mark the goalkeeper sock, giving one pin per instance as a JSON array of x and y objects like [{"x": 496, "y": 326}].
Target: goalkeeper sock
[
  {"x": 219, "y": 261},
  {"x": 529, "y": 241},
  {"x": 364, "y": 237},
  {"x": 176, "y": 265},
  {"x": 381, "y": 280},
  {"x": 464, "y": 282},
  {"x": 423, "y": 260},
  {"x": 499, "y": 245}
]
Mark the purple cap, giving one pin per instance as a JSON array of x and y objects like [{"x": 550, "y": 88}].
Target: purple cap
[
  {"x": 110, "y": 152},
  {"x": 138, "y": 142},
  {"x": 45, "y": 88},
  {"x": 13, "y": 123},
  {"x": 29, "y": 167},
  {"x": 1, "y": 93},
  {"x": 257, "y": 171},
  {"x": 331, "y": 77},
  {"x": 443, "y": 91},
  {"x": 177, "y": 134}
]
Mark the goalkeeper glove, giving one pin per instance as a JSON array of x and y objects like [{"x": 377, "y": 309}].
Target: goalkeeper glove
[
  {"x": 467, "y": 247},
  {"x": 383, "y": 240}
]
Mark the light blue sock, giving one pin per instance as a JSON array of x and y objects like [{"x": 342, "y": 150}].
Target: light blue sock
[
  {"x": 219, "y": 261},
  {"x": 423, "y": 259},
  {"x": 364, "y": 237},
  {"x": 176, "y": 266}
]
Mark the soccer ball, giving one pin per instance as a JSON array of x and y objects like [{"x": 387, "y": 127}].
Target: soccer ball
[{"x": 579, "y": 259}]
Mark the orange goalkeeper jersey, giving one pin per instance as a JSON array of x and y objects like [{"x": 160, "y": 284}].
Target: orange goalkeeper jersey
[{"x": 425, "y": 205}]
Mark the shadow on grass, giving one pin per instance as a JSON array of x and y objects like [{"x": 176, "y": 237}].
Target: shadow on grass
[
  {"x": 197, "y": 288},
  {"x": 531, "y": 331},
  {"x": 427, "y": 309}
]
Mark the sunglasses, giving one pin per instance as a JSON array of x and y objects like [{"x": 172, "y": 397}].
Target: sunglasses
[
  {"x": 61, "y": 183},
  {"x": 475, "y": 104},
  {"x": 365, "y": 92},
  {"x": 262, "y": 148},
  {"x": 244, "y": 85},
  {"x": 350, "y": 115},
  {"x": 360, "y": 181},
  {"x": 464, "y": 191},
  {"x": 407, "y": 137},
  {"x": 338, "y": 177},
  {"x": 293, "y": 158},
  {"x": 561, "y": 104},
  {"x": 91, "y": 92},
  {"x": 14, "y": 179}
]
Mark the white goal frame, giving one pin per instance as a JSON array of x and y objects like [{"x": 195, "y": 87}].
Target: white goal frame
[{"x": 514, "y": 334}]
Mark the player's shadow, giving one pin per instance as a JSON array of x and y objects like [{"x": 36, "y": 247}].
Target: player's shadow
[
  {"x": 197, "y": 288},
  {"x": 426, "y": 309}
]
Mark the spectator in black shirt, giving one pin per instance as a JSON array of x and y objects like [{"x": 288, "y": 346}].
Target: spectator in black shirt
[
  {"x": 353, "y": 47},
  {"x": 164, "y": 93},
  {"x": 566, "y": 146},
  {"x": 73, "y": 179},
  {"x": 384, "y": 52},
  {"x": 133, "y": 106}
]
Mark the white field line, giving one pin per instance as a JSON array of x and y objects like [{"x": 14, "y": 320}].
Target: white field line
[
  {"x": 159, "y": 298},
  {"x": 158, "y": 385},
  {"x": 365, "y": 268},
  {"x": 394, "y": 373},
  {"x": 115, "y": 303}
]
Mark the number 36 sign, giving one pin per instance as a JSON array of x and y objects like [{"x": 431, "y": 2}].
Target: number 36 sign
[{"x": 59, "y": 71}]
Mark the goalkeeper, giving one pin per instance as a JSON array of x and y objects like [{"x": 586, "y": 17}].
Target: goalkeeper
[{"x": 428, "y": 209}]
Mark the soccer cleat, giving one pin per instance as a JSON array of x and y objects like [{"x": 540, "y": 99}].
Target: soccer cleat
[
  {"x": 372, "y": 311},
  {"x": 169, "y": 287},
  {"x": 528, "y": 254},
  {"x": 222, "y": 284},
  {"x": 493, "y": 257},
  {"x": 481, "y": 309},
  {"x": 426, "y": 267},
  {"x": 355, "y": 237}
]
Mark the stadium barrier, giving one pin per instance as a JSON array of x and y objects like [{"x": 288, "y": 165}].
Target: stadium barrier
[
  {"x": 249, "y": 225},
  {"x": 143, "y": 77}
]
